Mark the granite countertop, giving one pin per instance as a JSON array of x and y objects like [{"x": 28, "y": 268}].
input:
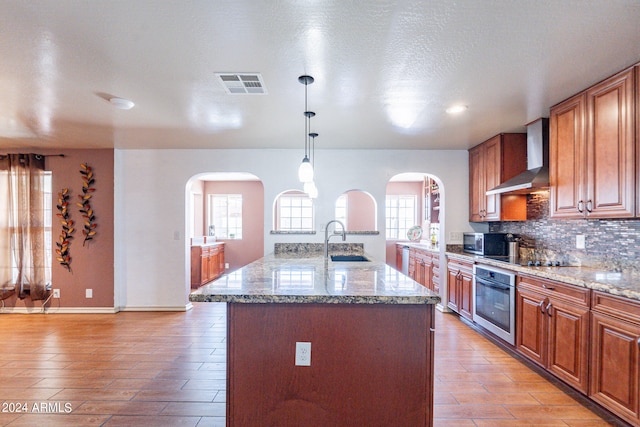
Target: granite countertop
[
  {"x": 427, "y": 246},
  {"x": 288, "y": 278},
  {"x": 624, "y": 284}
]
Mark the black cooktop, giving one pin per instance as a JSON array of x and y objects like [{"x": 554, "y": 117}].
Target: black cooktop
[{"x": 525, "y": 262}]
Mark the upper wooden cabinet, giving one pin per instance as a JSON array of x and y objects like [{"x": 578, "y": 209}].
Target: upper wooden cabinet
[
  {"x": 592, "y": 152},
  {"x": 491, "y": 163}
]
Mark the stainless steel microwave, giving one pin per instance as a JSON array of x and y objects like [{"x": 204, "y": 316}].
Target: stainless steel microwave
[{"x": 486, "y": 244}]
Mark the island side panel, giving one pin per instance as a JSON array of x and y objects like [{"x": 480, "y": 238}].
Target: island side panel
[{"x": 371, "y": 364}]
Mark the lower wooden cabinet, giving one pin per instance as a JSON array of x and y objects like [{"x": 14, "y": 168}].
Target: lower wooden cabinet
[
  {"x": 424, "y": 268},
  {"x": 615, "y": 355},
  {"x": 552, "y": 328},
  {"x": 207, "y": 263},
  {"x": 460, "y": 287}
]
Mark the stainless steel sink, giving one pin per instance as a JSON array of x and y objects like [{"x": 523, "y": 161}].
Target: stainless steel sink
[{"x": 349, "y": 258}]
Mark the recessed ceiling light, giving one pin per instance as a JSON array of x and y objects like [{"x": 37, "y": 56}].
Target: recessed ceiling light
[
  {"x": 455, "y": 109},
  {"x": 121, "y": 103}
]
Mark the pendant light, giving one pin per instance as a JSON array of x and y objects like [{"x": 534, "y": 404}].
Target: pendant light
[
  {"x": 305, "y": 171},
  {"x": 310, "y": 187}
]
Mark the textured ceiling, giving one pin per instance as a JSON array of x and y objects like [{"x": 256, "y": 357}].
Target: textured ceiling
[{"x": 385, "y": 70}]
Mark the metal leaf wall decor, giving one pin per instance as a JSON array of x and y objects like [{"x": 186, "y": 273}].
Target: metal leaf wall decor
[
  {"x": 89, "y": 229},
  {"x": 63, "y": 254}
]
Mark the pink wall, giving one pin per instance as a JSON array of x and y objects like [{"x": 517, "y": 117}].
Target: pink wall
[
  {"x": 361, "y": 212},
  {"x": 239, "y": 253},
  {"x": 92, "y": 264},
  {"x": 396, "y": 188}
]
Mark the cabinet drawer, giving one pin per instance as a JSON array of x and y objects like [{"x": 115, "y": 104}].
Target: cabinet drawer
[
  {"x": 465, "y": 267},
  {"x": 551, "y": 288},
  {"x": 616, "y": 306}
]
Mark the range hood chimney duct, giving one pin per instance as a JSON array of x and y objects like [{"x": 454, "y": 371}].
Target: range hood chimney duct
[{"x": 536, "y": 177}]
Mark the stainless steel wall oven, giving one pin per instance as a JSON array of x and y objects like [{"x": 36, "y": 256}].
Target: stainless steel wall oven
[{"x": 494, "y": 300}]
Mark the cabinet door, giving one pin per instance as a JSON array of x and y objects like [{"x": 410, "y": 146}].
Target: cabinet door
[
  {"x": 566, "y": 171},
  {"x": 466, "y": 296},
  {"x": 476, "y": 184},
  {"x": 428, "y": 271},
  {"x": 615, "y": 365},
  {"x": 568, "y": 350},
  {"x": 204, "y": 266},
  {"x": 452, "y": 292},
  {"x": 530, "y": 325},
  {"x": 610, "y": 148},
  {"x": 492, "y": 177},
  {"x": 221, "y": 263}
]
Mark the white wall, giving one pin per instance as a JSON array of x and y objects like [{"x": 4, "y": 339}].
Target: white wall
[{"x": 151, "y": 202}]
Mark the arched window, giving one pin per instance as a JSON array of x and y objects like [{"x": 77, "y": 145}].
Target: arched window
[{"x": 294, "y": 211}]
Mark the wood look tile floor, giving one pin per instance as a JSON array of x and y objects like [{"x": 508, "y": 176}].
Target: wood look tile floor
[{"x": 168, "y": 369}]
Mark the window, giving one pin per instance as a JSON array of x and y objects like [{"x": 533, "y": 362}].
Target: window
[
  {"x": 294, "y": 212},
  {"x": 44, "y": 212},
  {"x": 341, "y": 209},
  {"x": 225, "y": 214},
  {"x": 400, "y": 215}
]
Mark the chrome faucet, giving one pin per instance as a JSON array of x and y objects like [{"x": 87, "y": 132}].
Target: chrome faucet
[{"x": 327, "y": 236}]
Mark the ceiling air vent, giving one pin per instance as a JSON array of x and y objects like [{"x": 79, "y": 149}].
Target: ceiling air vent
[{"x": 242, "y": 83}]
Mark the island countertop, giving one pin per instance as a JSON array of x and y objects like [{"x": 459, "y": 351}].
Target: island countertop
[{"x": 291, "y": 279}]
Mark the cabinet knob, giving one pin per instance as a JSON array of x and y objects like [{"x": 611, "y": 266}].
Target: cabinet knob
[
  {"x": 541, "y": 306},
  {"x": 549, "y": 309},
  {"x": 581, "y": 206}
]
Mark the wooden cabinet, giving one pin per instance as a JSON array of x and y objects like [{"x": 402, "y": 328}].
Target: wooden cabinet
[
  {"x": 435, "y": 273},
  {"x": 399, "y": 249},
  {"x": 592, "y": 152},
  {"x": 207, "y": 263},
  {"x": 491, "y": 163},
  {"x": 460, "y": 287},
  {"x": 615, "y": 355},
  {"x": 371, "y": 365},
  {"x": 552, "y": 328},
  {"x": 421, "y": 268}
]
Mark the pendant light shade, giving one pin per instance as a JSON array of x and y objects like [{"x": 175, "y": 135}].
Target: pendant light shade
[
  {"x": 305, "y": 171},
  {"x": 311, "y": 189}
]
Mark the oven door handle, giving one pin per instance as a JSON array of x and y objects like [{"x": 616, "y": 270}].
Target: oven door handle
[{"x": 493, "y": 285}]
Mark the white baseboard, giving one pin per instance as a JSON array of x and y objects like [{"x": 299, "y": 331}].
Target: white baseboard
[
  {"x": 187, "y": 307},
  {"x": 89, "y": 310},
  {"x": 58, "y": 310}
]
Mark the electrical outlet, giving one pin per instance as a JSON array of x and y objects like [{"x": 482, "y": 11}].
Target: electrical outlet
[
  {"x": 455, "y": 236},
  {"x": 56, "y": 293},
  {"x": 303, "y": 354},
  {"x": 580, "y": 241},
  {"x": 226, "y": 265},
  {"x": 88, "y": 293}
]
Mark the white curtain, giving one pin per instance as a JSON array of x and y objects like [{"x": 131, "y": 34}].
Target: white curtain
[{"x": 23, "y": 256}]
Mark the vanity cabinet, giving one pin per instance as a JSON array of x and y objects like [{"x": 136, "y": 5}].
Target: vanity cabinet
[
  {"x": 552, "y": 328},
  {"x": 491, "y": 163},
  {"x": 615, "y": 355},
  {"x": 207, "y": 263},
  {"x": 460, "y": 287},
  {"x": 592, "y": 152}
]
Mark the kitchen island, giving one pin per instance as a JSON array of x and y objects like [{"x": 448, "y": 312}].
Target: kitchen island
[{"x": 370, "y": 330}]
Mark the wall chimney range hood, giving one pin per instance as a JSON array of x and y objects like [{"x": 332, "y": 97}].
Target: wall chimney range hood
[{"x": 536, "y": 177}]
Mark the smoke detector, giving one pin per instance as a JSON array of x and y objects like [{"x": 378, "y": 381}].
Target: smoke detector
[{"x": 242, "y": 83}]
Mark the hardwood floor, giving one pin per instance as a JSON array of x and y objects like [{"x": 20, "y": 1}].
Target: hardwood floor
[{"x": 168, "y": 369}]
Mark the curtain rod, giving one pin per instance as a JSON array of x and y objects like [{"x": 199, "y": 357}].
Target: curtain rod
[{"x": 2, "y": 156}]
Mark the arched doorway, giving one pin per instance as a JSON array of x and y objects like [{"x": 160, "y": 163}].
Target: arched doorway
[{"x": 229, "y": 208}]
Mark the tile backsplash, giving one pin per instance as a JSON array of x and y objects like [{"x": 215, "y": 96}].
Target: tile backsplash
[{"x": 612, "y": 244}]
